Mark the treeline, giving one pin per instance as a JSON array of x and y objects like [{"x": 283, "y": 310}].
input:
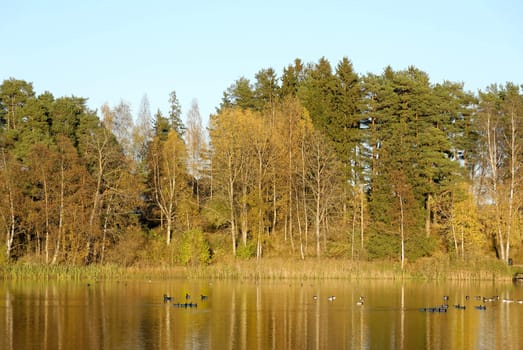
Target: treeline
[{"x": 319, "y": 162}]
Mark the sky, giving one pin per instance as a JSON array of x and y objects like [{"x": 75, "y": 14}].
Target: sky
[{"x": 110, "y": 50}]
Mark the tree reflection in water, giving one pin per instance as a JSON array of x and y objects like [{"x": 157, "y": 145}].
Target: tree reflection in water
[{"x": 282, "y": 314}]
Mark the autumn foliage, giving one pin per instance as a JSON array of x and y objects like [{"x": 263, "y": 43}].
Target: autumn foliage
[{"x": 319, "y": 162}]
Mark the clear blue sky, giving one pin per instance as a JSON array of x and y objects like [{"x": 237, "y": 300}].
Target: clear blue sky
[{"x": 109, "y": 51}]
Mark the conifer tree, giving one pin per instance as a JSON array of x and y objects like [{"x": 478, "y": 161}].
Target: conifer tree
[{"x": 175, "y": 115}]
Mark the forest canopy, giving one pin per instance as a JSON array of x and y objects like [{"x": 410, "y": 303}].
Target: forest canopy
[{"x": 319, "y": 161}]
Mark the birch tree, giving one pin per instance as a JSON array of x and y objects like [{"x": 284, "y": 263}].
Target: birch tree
[
  {"x": 196, "y": 147},
  {"x": 167, "y": 164}
]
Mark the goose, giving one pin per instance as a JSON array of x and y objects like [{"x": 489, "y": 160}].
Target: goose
[
  {"x": 332, "y": 298},
  {"x": 167, "y": 298},
  {"x": 437, "y": 309},
  {"x": 204, "y": 297}
]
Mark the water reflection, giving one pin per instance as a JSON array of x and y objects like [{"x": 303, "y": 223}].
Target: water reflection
[{"x": 257, "y": 315}]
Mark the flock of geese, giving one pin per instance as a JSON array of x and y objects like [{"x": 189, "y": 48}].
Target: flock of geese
[
  {"x": 361, "y": 301},
  {"x": 188, "y": 303},
  {"x": 445, "y": 306},
  {"x": 483, "y": 300}
]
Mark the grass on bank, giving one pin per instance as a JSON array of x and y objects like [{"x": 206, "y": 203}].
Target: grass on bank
[{"x": 272, "y": 268}]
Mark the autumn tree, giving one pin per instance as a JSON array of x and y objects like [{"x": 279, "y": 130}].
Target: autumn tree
[
  {"x": 11, "y": 198},
  {"x": 500, "y": 119},
  {"x": 196, "y": 148},
  {"x": 292, "y": 129},
  {"x": 321, "y": 177},
  {"x": 168, "y": 178},
  {"x": 142, "y": 132},
  {"x": 229, "y": 163}
]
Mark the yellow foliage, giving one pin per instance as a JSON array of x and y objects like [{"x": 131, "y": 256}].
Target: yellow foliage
[{"x": 466, "y": 225}]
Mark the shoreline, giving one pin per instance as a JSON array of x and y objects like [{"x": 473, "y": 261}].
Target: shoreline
[{"x": 272, "y": 268}]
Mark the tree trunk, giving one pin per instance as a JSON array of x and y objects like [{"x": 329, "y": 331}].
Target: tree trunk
[
  {"x": 513, "y": 181},
  {"x": 60, "y": 212},
  {"x": 11, "y": 227},
  {"x": 104, "y": 233},
  {"x": 454, "y": 237},
  {"x": 428, "y": 215},
  {"x": 362, "y": 222},
  {"x": 232, "y": 218},
  {"x": 169, "y": 228},
  {"x": 46, "y": 203},
  {"x": 402, "y": 232},
  {"x": 317, "y": 217}
]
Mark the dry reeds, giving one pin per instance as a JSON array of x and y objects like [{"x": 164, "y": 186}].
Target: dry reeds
[{"x": 271, "y": 268}]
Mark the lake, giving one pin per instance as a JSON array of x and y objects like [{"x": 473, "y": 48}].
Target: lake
[{"x": 275, "y": 314}]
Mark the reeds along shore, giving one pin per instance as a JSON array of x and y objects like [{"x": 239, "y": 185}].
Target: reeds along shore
[{"x": 269, "y": 269}]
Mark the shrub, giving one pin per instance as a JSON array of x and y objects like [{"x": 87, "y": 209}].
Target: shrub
[
  {"x": 194, "y": 248},
  {"x": 246, "y": 251}
]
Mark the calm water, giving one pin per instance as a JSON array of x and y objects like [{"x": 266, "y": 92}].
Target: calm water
[{"x": 257, "y": 315}]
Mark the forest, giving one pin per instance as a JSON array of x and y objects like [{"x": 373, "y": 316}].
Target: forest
[{"x": 315, "y": 162}]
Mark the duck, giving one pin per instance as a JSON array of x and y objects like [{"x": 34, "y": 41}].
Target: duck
[
  {"x": 480, "y": 307},
  {"x": 167, "y": 298},
  {"x": 187, "y": 296},
  {"x": 494, "y": 298},
  {"x": 332, "y": 298},
  {"x": 460, "y": 307},
  {"x": 314, "y": 297},
  {"x": 203, "y": 297}
]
